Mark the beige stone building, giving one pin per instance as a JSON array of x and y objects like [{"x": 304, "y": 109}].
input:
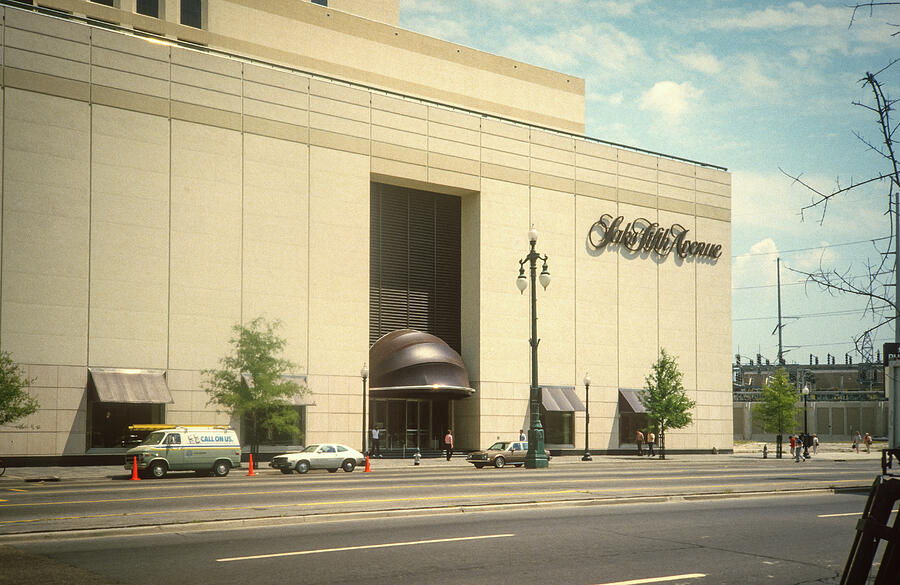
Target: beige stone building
[{"x": 174, "y": 167}]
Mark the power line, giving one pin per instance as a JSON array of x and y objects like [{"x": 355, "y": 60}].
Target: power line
[
  {"x": 810, "y": 281},
  {"x": 872, "y": 241},
  {"x": 813, "y": 315}
]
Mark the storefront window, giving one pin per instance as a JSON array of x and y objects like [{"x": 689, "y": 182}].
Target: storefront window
[
  {"x": 109, "y": 422},
  {"x": 271, "y": 437},
  {"x": 630, "y": 423},
  {"x": 559, "y": 427}
]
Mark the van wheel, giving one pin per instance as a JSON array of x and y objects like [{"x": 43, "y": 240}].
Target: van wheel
[
  {"x": 158, "y": 470},
  {"x": 302, "y": 466},
  {"x": 221, "y": 468},
  {"x": 499, "y": 462},
  {"x": 348, "y": 465}
]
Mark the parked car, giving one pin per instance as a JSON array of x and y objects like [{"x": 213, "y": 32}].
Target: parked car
[
  {"x": 202, "y": 449},
  {"x": 330, "y": 456},
  {"x": 502, "y": 453}
]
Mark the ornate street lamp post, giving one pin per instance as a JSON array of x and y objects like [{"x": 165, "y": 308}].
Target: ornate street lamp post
[
  {"x": 535, "y": 457},
  {"x": 587, "y": 416},
  {"x": 364, "y": 373},
  {"x": 805, "y": 428}
]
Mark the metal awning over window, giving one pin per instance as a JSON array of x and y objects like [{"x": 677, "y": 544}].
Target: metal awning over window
[
  {"x": 296, "y": 399},
  {"x": 561, "y": 399},
  {"x": 630, "y": 401},
  {"x": 130, "y": 386}
]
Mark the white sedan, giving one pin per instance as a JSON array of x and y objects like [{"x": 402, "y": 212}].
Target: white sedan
[{"x": 330, "y": 456}]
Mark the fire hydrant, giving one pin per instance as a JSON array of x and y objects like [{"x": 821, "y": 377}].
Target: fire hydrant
[
  {"x": 417, "y": 457},
  {"x": 765, "y": 451}
]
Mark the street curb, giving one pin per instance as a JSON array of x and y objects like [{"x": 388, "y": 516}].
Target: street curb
[{"x": 269, "y": 521}]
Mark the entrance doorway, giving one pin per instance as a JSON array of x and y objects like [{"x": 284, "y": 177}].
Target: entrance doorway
[{"x": 408, "y": 424}]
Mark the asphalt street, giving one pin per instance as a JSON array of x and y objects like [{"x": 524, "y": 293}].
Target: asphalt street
[
  {"x": 271, "y": 497},
  {"x": 801, "y": 538}
]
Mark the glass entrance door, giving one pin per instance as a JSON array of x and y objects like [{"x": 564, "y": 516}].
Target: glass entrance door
[{"x": 406, "y": 424}]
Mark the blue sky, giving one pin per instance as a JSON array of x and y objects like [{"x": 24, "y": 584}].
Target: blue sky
[{"x": 751, "y": 86}]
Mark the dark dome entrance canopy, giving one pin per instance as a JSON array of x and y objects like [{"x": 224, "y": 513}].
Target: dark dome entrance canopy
[{"x": 411, "y": 364}]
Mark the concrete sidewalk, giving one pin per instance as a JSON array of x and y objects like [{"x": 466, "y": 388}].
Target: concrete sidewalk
[{"x": 743, "y": 452}]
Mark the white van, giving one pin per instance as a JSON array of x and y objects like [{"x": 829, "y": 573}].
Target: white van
[{"x": 203, "y": 449}]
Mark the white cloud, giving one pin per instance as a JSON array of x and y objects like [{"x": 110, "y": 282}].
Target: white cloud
[
  {"x": 613, "y": 99},
  {"x": 669, "y": 98},
  {"x": 751, "y": 75},
  {"x": 753, "y": 267},
  {"x": 600, "y": 44},
  {"x": 801, "y": 56},
  {"x": 794, "y": 15},
  {"x": 619, "y": 7},
  {"x": 701, "y": 61}
]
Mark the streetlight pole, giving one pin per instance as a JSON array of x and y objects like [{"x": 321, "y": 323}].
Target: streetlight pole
[
  {"x": 364, "y": 373},
  {"x": 805, "y": 427},
  {"x": 587, "y": 416},
  {"x": 535, "y": 457}
]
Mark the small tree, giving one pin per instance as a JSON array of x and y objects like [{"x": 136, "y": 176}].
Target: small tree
[
  {"x": 15, "y": 401},
  {"x": 668, "y": 407},
  {"x": 779, "y": 407},
  {"x": 251, "y": 382}
]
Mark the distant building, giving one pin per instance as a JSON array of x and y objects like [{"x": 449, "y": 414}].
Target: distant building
[{"x": 842, "y": 399}]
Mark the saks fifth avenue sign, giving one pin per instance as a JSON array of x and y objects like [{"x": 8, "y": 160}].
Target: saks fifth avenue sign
[{"x": 642, "y": 235}]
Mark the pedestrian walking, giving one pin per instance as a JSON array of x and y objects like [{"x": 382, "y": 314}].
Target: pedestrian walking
[
  {"x": 815, "y": 441},
  {"x": 639, "y": 439},
  {"x": 854, "y": 444},
  {"x": 793, "y": 445},
  {"x": 651, "y": 438},
  {"x": 868, "y": 442},
  {"x": 798, "y": 453},
  {"x": 522, "y": 434},
  {"x": 448, "y": 444},
  {"x": 376, "y": 446}
]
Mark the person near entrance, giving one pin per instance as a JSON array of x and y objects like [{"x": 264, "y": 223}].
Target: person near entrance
[
  {"x": 376, "y": 447},
  {"x": 448, "y": 444},
  {"x": 651, "y": 438},
  {"x": 522, "y": 434},
  {"x": 639, "y": 439}
]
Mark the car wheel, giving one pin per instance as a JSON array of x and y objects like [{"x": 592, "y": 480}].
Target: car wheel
[
  {"x": 221, "y": 468},
  {"x": 499, "y": 462},
  {"x": 332, "y": 470},
  {"x": 302, "y": 466},
  {"x": 478, "y": 465},
  {"x": 158, "y": 470},
  {"x": 348, "y": 465},
  {"x": 286, "y": 470}
]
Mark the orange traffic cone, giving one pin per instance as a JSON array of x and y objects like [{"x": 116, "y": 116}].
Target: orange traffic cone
[
  {"x": 252, "y": 473},
  {"x": 134, "y": 474},
  {"x": 368, "y": 467}
]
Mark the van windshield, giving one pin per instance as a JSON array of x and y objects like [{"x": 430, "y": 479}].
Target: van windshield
[{"x": 154, "y": 438}]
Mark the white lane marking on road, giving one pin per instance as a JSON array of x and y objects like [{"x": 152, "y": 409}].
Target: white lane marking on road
[
  {"x": 362, "y": 547},
  {"x": 847, "y": 514},
  {"x": 659, "y": 579}
]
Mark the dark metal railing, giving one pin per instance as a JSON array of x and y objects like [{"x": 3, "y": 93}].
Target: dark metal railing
[{"x": 819, "y": 396}]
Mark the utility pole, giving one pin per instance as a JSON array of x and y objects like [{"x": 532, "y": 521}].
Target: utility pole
[
  {"x": 780, "y": 347},
  {"x": 893, "y": 404}
]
